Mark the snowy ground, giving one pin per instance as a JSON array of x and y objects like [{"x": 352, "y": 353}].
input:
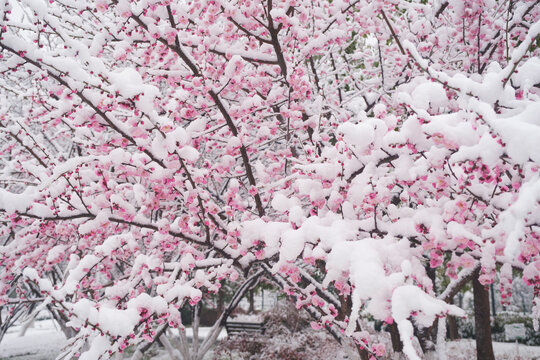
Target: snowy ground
[
  {"x": 466, "y": 350},
  {"x": 44, "y": 341}
]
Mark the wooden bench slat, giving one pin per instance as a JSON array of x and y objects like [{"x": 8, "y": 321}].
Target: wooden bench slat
[
  {"x": 235, "y": 327},
  {"x": 245, "y": 326}
]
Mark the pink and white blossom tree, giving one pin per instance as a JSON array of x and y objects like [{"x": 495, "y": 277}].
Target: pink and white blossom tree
[{"x": 153, "y": 149}]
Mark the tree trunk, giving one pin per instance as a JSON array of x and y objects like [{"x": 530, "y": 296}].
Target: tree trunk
[
  {"x": 425, "y": 335},
  {"x": 493, "y": 304},
  {"x": 482, "y": 323},
  {"x": 453, "y": 333},
  {"x": 364, "y": 354},
  {"x": 397, "y": 345},
  {"x": 220, "y": 302},
  {"x": 452, "y": 328},
  {"x": 251, "y": 300}
]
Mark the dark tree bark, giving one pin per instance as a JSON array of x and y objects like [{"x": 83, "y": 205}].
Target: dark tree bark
[
  {"x": 397, "y": 345},
  {"x": 452, "y": 328},
  {"x": 493, "y": 304},
  {"x": 482, "y": 323},
  {"x": 426, "y": 336},
  {"x": 251, "y": 300},
  {"x": 364, "y": 355},
  {"x": 220, "y": 302}
]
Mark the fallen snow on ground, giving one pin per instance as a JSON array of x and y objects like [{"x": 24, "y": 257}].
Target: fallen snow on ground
[
  {"x": 44, "y": 341},
  {"x": 41, "y": 342},
  {"x": 466, "y": 350}
]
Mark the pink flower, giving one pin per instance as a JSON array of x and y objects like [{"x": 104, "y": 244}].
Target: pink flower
[
  {"x": 259, "y": 254},
  {"x": 467, "y": 261},
  {"x": 421, "y": 228},
  {"x": 379, "y": 349},
  {"x": 233, "y": 275},
  {"x": 435, "y": 259},
  {"x": 486, "y": 279},
  {"x": 194, "y": 300},
  {"x": 317, "y": 301},
  {"x": 101, "y": 5}
]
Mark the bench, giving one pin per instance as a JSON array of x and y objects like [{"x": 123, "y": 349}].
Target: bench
[{"x": 238, "y": 327}]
